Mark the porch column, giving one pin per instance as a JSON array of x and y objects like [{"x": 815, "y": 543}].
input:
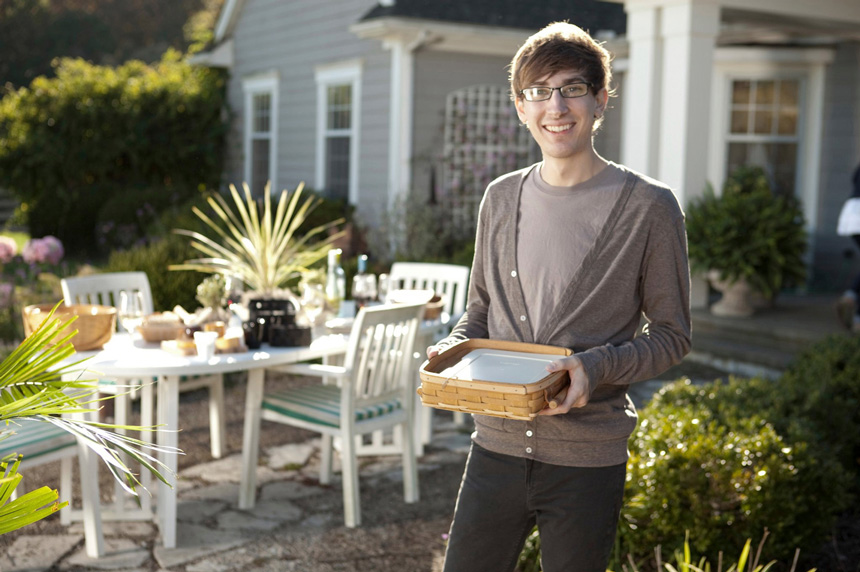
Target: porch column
[
  {"x": 689, "y": 31},
  {"x": 400, "y": 117},
  {"x": 641, "y": 95}
]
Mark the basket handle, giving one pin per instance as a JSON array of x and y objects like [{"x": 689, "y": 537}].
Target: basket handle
[{"x": 555, "y": 401}]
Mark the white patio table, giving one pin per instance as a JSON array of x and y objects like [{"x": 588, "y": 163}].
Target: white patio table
[{"x": 125, "y": 359}]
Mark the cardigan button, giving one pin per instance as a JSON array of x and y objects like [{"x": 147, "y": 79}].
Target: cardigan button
[
  {"x": 528, "y": 450},
  {"x": 514, "y": 273},
  {"x": 522, "y": 318},
  {"x": 529, "y": 433}
]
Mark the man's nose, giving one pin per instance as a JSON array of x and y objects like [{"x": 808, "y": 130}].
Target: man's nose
[{"x": 557, "y": 102}]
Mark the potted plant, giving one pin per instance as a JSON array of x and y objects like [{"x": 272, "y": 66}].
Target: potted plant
[
  {"x": 748, "y": 241},
  {"x": 267, "y": 250}
]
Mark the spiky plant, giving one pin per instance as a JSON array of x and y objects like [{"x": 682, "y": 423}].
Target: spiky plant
[
  {"x": 264, "y": 250},
  {"x": 39, "y": 381}
]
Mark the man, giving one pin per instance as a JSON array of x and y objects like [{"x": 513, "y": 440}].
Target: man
[{"x": 573, "y": 251}]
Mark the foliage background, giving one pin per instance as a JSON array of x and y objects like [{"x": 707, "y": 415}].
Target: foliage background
[{"x": 95, "y": 139}]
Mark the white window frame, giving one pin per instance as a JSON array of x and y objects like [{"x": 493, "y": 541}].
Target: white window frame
[
  {"x": 252, "y": 86},
  {"x": 347, "y": 72},
  {"x": 762, "y": 64}
]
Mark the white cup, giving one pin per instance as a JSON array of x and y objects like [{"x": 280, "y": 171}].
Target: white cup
[{"x": 205, "y": 342}]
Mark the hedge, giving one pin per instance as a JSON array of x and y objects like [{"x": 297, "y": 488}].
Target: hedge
[{"x": 70, "y": 144}]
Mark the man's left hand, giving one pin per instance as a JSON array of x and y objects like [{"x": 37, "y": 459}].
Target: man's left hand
[{"x": 577, "y": 392}]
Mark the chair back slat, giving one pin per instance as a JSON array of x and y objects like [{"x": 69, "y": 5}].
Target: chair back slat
[
  {"x": 105, "y": 289},
  {"x": 449, "y": 280},
  {"x": 381, "y": 344}
]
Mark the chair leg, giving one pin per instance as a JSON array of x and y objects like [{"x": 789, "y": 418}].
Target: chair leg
[
  {"x": 122, "y": 409},
  {"x": 410, "y": 465},
  {"x": 217, "y": 418},
  {"x": 459, "y": 418},
  {"x": 147, "y": 412},
  {"x": 66, "y": 490},
  {"x": 325, "y": 459},
  {"x": 94, "y": 537},
  {"x": 351, "y": 501},
  {"x": 251, "y": 438}
]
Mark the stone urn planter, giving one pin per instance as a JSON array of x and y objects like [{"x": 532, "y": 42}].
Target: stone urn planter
[{"x": 739, "y": 298}]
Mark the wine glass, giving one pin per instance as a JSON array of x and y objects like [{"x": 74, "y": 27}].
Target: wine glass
[
  {"x": 312, "y": 301},
  {"x": 363, "y": 289},
  {"x": 131, "y": 310}
]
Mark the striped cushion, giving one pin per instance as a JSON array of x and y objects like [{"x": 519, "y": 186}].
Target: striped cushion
[
  {"x": 35, "y": 438},
  {"x": 321, "y": 404}
]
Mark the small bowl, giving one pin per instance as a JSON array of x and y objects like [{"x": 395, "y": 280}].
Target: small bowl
[{"x": 95, "y": 324}]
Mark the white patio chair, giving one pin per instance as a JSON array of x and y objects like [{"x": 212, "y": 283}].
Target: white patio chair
[
  {"x": 451, "y": 282},
  {"x": 41, "y": 442},
  {"x": 374, "y": 390},
  {"x": 105, "y": 289}
]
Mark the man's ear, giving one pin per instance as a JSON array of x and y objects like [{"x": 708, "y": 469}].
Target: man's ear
[{"x": 521, "y": 112}]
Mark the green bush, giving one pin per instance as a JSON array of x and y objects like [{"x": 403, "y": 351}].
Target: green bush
[
  {"x": 168, "y": 288},
  {"x": 822, "y": 387},
  {"x": 705, "y": 459},
  {"x": 748, "y": 232},
  {"x": 72, "y": 143}
]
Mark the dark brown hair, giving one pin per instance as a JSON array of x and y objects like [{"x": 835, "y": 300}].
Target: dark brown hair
[{"x": 560, "y": 46}]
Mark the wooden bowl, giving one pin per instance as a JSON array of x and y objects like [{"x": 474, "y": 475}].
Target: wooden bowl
[{"x": 95, "y": 324}]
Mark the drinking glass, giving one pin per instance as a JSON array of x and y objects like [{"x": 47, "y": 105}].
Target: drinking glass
[
  {"x": 312, "y": 301},
  {"x": 363, "y": 289},
  {"x": 131, "y": 310}
]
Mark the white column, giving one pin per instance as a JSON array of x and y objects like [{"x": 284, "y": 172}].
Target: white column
[
  {"x": 642, "y": 90},
  {"x": 689, "y": 32},
  {"x": 400, "y": 117}
]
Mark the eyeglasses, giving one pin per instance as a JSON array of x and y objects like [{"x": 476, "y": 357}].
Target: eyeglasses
[{"x": 569, "y": 91}]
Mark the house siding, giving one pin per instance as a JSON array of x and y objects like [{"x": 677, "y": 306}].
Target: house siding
[
  {"x": 292, "y": 39},
  {"x": 835, "y": 258},
  {"x": 437, "y": 74}
]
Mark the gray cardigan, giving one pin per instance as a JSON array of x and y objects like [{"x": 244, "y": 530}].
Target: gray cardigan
[{"x": 636, "y": 270}]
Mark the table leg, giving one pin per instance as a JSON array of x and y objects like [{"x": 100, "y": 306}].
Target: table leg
[
  {"x": 168, "y": 418},
  {"x": 251, "y": 438}
]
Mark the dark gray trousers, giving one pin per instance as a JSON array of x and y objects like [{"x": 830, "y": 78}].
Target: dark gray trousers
[{"x": 502, "y": 497}]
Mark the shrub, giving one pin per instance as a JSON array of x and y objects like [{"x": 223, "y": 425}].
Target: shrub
[
  {"x": 168, "y": 288},
  {"x": 73, "y": 142},
  {"x": 704, "y": 459},
  {"x": 748, "y": 233},
  {"x": 821, "y": 386}
]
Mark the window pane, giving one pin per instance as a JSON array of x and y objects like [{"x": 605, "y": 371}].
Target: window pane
[
  {"x": 764, "y": 93},
  {"x": 339, "y": 107},
  {"x": 337, "y": 167},
  {"x": 787, "y": 122},
  {"x": 259, "y": 165},
  {"x": 763, "y": 121},
  {"x": 740, "y": 92},
  {"x": 789, "y": 91},
  {"x": 739, "y": 121},
  {"x": 262, "y": 110},
  {"x": 779, "y": 161}
]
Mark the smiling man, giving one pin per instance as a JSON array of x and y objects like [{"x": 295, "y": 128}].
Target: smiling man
[{"x": 575, "y": 251}]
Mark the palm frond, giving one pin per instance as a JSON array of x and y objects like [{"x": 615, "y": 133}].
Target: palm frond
[{"x": 263, "y": 249}]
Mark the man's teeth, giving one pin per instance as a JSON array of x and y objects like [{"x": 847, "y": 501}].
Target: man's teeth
[{"x": 558, "y": 128}]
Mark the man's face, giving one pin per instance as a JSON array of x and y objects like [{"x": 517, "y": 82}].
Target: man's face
[{"x": 562, "y": 126}]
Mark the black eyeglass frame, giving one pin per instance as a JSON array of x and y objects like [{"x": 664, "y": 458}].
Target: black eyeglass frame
[{"x": 560, "y": 88}]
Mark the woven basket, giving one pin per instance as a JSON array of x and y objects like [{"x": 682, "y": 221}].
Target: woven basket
[{"x": 482, "y": 397}]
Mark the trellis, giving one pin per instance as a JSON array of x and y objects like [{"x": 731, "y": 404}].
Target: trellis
[{"x": 483, "y": 140}]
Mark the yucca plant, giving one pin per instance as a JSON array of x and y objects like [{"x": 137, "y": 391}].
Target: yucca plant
[
  {"x": 265, "y": 250},
  {"x": 32, "y": 386}
]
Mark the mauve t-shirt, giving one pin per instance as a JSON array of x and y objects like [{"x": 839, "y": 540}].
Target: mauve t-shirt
[{"x": 556, "y": 229}]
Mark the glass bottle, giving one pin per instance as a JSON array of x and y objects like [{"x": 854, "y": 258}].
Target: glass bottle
[
  {"x": 363, "y": 284},
  {"x": 335, "y": 285}
]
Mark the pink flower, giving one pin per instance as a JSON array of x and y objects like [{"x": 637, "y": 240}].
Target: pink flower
[
  {"x": 47, "y": 249},
  {"x": 6, "y": 292},
  {"x": 8, "y": 248}
]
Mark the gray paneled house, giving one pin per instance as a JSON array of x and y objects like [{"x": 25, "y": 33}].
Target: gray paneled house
[{"x": 372, "y": 101}]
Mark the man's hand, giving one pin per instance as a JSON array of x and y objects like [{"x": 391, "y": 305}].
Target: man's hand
[
  {"x": 432, "y": 351},
  {"x": 577, "y": 393}
]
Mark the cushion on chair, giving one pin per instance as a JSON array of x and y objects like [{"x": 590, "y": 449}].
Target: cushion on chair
[
  {"x": 321, "y": 404},
  {"x": 36, "y": 438}
]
